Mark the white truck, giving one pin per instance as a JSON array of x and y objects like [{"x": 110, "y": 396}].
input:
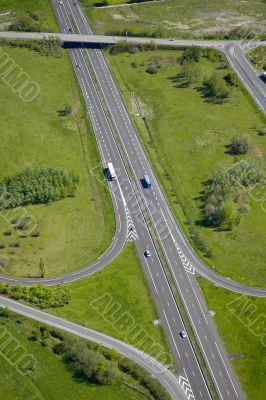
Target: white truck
[{"x": 111, "y": 171}]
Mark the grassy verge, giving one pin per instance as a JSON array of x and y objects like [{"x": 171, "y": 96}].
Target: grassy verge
[
  {"x": 53, "y": 379},
  {"x": 258, "y": 57},
  {"x": 238, "y": 320},
  {"x": 186, "y": 137},
  {"x": 186, "y": 19},
  {"x": 122, "y": 287},
  {"x": 74, "y": 231},
  {"x": 41, "y": 8}
]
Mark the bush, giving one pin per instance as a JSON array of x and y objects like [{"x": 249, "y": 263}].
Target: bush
[
  {"x": 222, "y": 193},
  {"x": 240, "y": 144},
  {"x": 231, "y": 78},
  {"x": 192, "y": 54},
  {"x": 152, "y": 70},
  {"x": 39, "y": 295},
  {"x": 3, "y": 261},
  {"x": 262, "y": 131},
  {"x": 25, "y": 24},
  {"x": 216, "y": 87}
]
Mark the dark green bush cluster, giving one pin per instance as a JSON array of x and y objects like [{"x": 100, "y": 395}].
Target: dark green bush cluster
[
  {"x": 215, "y": 87},
  {"x": 37, "y": 186},
  {"x": 125, "y": 47},
  {"x": 49, "y": 47},
  {"x": 41, "y": 296},
  {"x": 224, "y": 190},
  {"x": 141, "y": 375},
  {"x": 27, "y": 23}
]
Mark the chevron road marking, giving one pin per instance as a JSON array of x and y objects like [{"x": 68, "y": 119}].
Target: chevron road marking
[
  {"x": 184, "y": 383},
  {"x": 131, "y": 230}
]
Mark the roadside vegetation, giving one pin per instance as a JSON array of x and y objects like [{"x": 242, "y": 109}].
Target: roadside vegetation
[
  {"x": 186, "y": 19},
  {"x": 60, "y": 366},
  {"x": 258, "y": 57},
  {"x": 116, "y": 299},
  {"x": 30, "y": 15},
  {"x": 209, "y": 160},
  {"x": 239, "y": 320},
  {"x": 51, "y": 169}
]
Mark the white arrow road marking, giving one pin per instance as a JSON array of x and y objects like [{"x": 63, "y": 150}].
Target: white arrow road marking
[
  {"x": 131, "y": 230},
  {"x": 186, "y": 263},
  {"x": 184, "y": 383}
]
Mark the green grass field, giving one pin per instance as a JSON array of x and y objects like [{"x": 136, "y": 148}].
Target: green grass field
[
  {"x": 54, "y": 380},
  {"x": 242, "y": 335},
  {"x": 124, "y": 282},
  {"x": 74, "y": 231},
  {"x": 171, "y": 18},
  {"x": 186, "y": 143},
  {"x": 43, "y": 8}
]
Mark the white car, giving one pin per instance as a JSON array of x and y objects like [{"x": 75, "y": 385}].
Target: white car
[
  {"x": 183, "y": 334},
  {"x": 60, "y": 2},
  {"x": 147, "y": 254}
]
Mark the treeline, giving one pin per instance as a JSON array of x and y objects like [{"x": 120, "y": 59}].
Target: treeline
[
  {"x": 223, "y": 196},
  {"x": 45, "y": 47},
  {"x": 37, "y": 186},
  {"x": 96, "y": 364},
  {"x": 39, "y": 295}
]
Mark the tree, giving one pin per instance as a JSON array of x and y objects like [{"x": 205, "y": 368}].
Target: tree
[
  {"x": 216, "y": 87},
  {"x": 42, "y": 268},
  {"x": 231, "y": 78},
  {"x": 192, "y": 72},
  {"x": 262, "y": 131},
  {"x": 240, "y": 144},
  {"x": 192, "y": 54}
]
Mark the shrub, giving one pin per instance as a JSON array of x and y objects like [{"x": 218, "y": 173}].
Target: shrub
[
  {"x": 240, "y": 144},
  {"x": 39, "y": 295},
  {"x": 3, "y": 261},
  {"x": 262, "y": 131},
  {"x": 222, "y": 193},
  {"x": 216, "y": 87},
  {"x": 192, "y": 54},
  {"x": 152, "y": 70},
  {"x": 231, "y": 78}
]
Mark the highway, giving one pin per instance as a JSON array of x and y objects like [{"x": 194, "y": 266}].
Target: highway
[
  {"x": 166, "y": 378},
  {"x": 174, "y": 247},
  {"x": 132, "y": 203}
]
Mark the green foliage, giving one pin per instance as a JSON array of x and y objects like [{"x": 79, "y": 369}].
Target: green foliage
[
  {"x": 37, "y": 186},
  {"x": 262, "y": 131},
  {"x": 229, "y": 216},
  {"x": 192, "y": 72},
  {"x": 125, "y": 47},
  {"x": 99, "y": 365},
  {"x": 45, "y": 47},
  {"x": 41, "y": 296},
  {"x": 152, "y": 70},
  {"x": 215, "y": 87},
  {"x": 27, "y": 23},
  {"x": 240, "y": 144},
  {"x": 222, "y": 193},
  {"x": 231, "y": 78},
  {"x": 192, "y": 54}
]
